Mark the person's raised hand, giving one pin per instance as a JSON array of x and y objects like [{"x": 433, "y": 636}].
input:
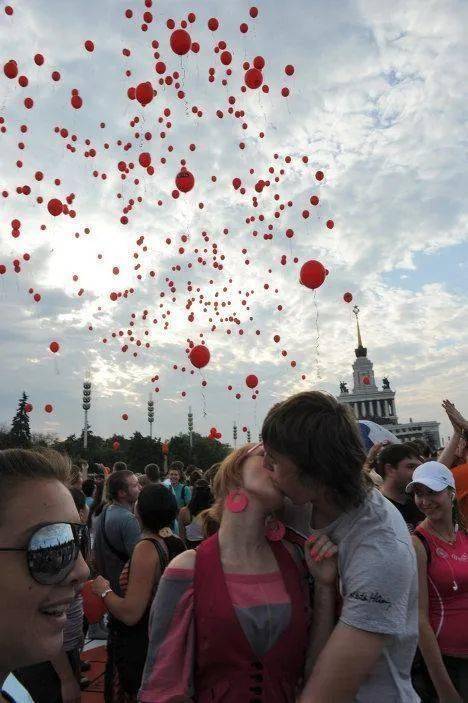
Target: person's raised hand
[
  {"x": 321, "y": 559},
  {"x": 456, "y": 418}
]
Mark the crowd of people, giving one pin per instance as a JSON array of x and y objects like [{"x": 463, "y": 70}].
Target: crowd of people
[{"x": 297, "y": 570}]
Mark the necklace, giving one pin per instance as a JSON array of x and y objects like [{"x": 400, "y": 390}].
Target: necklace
[{"x": 450, "y": 540}]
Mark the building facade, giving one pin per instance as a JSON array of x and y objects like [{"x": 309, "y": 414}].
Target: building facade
[{"x": 369, "y": 402}]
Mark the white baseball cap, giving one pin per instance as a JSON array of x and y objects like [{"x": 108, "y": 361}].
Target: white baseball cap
[{"x": 434, "y": 475}]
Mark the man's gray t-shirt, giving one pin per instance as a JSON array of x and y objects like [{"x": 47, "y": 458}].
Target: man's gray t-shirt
[
  {"x": 379, "y": 587},
  {"x": 123, "y": 532}
]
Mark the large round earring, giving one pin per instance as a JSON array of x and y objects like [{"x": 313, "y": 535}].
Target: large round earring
[
  {"x": 237, "y": 501},
  {"x": 274, "y": 530}
]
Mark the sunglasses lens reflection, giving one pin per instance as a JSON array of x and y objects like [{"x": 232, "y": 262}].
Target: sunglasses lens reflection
[{"x": 52, "y": 553}]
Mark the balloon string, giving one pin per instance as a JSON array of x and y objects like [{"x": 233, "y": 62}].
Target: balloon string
[
  {"x": 203, "y": 395},
  {"x": 317, "y": 339}
]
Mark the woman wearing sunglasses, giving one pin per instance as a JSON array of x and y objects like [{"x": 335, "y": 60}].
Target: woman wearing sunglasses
[
  {"x": 41, "y": 562},
  {"x": 230, "y": 620}
]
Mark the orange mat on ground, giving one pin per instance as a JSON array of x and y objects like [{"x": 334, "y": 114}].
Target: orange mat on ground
[{"x": 97, "y": 658}]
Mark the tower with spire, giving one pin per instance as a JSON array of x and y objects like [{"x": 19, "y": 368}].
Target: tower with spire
[{"x": 367, "y": 401}]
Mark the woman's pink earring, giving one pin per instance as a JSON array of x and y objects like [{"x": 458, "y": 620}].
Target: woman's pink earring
[
  {"x": 274, "y": 530},
  {"x": 237, "y": 501}
]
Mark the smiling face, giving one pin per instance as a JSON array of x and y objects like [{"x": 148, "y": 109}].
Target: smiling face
[
  {"x": 286, "y": 477},
  {"x": 435, "y": 505},
  {"x": 32, "y": 616},
  {"x": 174, "y": 477}
]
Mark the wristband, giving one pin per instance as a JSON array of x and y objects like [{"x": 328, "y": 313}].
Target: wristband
[{"x": 104, "y": 593}]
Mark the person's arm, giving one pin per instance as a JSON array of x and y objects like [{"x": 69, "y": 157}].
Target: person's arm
[
  {"x": 456, "y": 418},
  {"x": 170, "y": 663},
  {"x": 427, "y": 639},
  {"x": 321, "y": 559},
  {"x": 344, "y": 663},
  {"x": 70, "y": 688},
  {"x": 145, "y": 571}
]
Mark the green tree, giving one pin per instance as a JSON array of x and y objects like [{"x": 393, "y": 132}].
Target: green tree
[
  {"x": 143, "y": 450},
  {"x": 20, "y": 433},
  {"x": 205, "y": 451}
]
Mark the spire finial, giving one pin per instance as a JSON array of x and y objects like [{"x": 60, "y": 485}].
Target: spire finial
[{"x": 361, "y": 350}]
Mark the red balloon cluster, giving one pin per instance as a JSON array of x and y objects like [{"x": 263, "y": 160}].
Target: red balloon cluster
[{"x": 214, "y": 434}]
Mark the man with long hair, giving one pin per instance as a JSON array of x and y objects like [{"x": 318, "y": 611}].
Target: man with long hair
[{"x": 314, "y": 451}]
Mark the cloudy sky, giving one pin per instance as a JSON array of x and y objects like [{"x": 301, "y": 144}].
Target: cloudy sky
[{"x": 377, "y": 102}]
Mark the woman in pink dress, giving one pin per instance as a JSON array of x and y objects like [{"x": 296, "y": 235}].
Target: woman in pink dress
[{"x": 230, "y": 621}]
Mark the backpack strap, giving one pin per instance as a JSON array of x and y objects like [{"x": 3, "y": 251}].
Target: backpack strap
[{"x": 116, "y": 552}]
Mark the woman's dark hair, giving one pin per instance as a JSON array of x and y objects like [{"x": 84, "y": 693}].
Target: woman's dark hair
[
  {"x": 79, "y": 498},
  {"x": 117, "y": 482},
  {"x": 157, "y": 507},
  {"x": 322, "y": 438},
  {"x": 88, "y": 487},
  {"x": 195, "y": 476},
  {"x": 392, "y": 454},
  {"x": 20, "y": 465},
  {"x": 119, "y": 466},
  {"x": 153, "y": 472},
  {"x": 202, "y": 497}
]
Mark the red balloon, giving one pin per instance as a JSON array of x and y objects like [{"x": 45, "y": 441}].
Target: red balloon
[
  {"x": 319, "y": 175},
  {"x": 251, "y": 381},
  {"x": 253, "y": 78},
  {"x": 180, "y": 42},
  {"x": 48, "y": 408},
  {"x": 253, "y": 12},
  {"x": 259, "y": 62},
  {"x": 312, "y": 274},
  {"x": 10, "y": 69},
  {"x": 330, "y": 224},
  {"x": 55, "y": 207},
  {"x": 38, "y": 59},
  {"x": 54, "y": 347},
  {"x": 76, "y": 101},
  {"x": 2, "y": 269},
  {"x": 185, "y": 181},
  {"x": 213, "y": 24},
  {"x": 347, "y": 297},
  {"x": 213, "y": 431},
  {"x": 226, "y": 58},
  {"x": 124, "y": 416},
  {"x": 116, "y": 445},
  {"x": 144, "y": 159},
  {"x": 289, "y": 70},
  {"x": 28, "y": 407},
  {"x": 160, "y": 67},
  {"x": 89, "y": 45},
  {"x": 144, "y": 93},
  {"x": 199, "y": 356}
]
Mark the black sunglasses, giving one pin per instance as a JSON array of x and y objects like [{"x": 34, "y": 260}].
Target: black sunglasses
[{"x": 53, "y": 549}]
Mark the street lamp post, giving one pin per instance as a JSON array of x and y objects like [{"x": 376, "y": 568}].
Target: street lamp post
[
  {"x": 86, "y": 407},
  {"x": 234, "y": 435},
  {"x": 151, "y": 415},
  {"x": 190, "y": 428}
]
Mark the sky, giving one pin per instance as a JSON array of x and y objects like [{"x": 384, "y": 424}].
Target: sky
[{"x": 377, "y": 102}]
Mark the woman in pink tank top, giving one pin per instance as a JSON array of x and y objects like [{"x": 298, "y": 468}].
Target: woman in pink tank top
[
  {"x": 441, "y": 544},
  {"x": 230, "y": 620}
]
